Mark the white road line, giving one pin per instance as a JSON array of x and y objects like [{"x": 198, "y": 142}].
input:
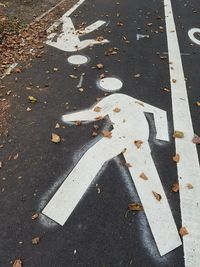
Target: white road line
[
  {"x": 188, "y": 167},
  {"x": 129, "y": 122},
  {"x": 191, "y": 34}
]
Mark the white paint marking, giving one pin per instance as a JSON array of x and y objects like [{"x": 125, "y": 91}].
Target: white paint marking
[
  {"x": 8, "y": 71},
  {"x": 68, "y": 40},
  {"x": 110, "y": 84},
  {"x": 188, "y": 167},
  {"x": 80, "y": 81},
  {"x": 141, "y": 36},
  {"x": 77, "y": 59},
  {"x": 191, "y": 34},
  {"x": 123, "y": 135}
]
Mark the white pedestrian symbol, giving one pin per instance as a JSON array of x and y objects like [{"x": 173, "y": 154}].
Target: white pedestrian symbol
[
  {"x": 129, "y": 125},
  {"x": 69, "y": 38}
]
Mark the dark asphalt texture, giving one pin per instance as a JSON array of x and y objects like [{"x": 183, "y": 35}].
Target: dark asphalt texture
[{"x": 99, "y": 233}]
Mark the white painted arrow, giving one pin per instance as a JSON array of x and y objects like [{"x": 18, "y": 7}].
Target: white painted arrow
[{"x": 129, "y": 125}]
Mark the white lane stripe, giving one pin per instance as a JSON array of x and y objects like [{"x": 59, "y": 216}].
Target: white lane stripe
[{"x": 188, "y": 167}]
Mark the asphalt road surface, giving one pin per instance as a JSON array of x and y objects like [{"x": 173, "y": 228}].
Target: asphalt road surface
[{"x": 73, "y": 189}]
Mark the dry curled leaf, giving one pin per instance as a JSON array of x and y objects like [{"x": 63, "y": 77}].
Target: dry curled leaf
[
  {"x": 32, "y": 99},
  {"x": 176, "y": 158},
  {"x": 107, "y": 134},
  {"x": 55, "y": 138},
  {"x": 196, "y": 140},
  {"x": 73, "y": 76},
  {"x": 175, "y": 187},
  {"x": 178, "y": 134},
  {"x": 35, "y": 240},
  {"x": 183, "y": 231},
  {"x": 17, "y": 263},
  {"x": 138, "y": 143},
  {"x": 117, "y": 109},
  {"x": 98, "y": 118},
  {"x": 97, "y": 109},
  {"x": 143, "y": 176},
  {"x": 100, "y": 66},
  {"x": 198, "y": 103},
  {"x": 135, "y": 207},
  {"x": 78, "y": 123},
  {"x": 1, "y": 164},
  {"x": 157, "y": 196},
  {"x": 127, "y": 164},
  {"x": 34, "y": 216},
  {"x": 190, "y": 186},
  {"x": 174, "y": 80}
]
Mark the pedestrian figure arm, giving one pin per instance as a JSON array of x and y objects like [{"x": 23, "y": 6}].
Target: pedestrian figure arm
[
  {"x": 161, "y": 123},
  {"x": 99, "y": 111}
]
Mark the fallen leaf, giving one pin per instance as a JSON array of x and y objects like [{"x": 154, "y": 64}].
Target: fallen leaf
[
  {"x": 183, "y": 231},
  {"x": 32, "y": 99},
  {"x": 35, "y": 240},
  {"x": 174, "y": 80},
  {"x": 94, "y": 134},
  {"x": 135, "y": 207},
  {"x": 96, "y": 127},
  {"x": 196, "y": 140},
  {"x": 57, "y": 126},
  {"x": 157, "y": 196},
  {"x": 176, "y": 158},
  {"x": 16, "y": 156},
  {"x": 117, "y": 109},
  {"x": 55, "y": 138},
  {"x": 190, "y": 186},
  {"x": 107, "y": 134},
  {"x": 78, "y": 123},
  {"x": 100, "y": 66},
  {"x": 138, "y": 143},
  {"x": 127, "y": 164},
  {"x": 137, "y": 75},
  {"x": 175, "y": 187},
  {"x": 143, "y": 176},
  {"x": 17, "y": 263},
  {"x": 178, "y": 134},
  {"x": 34, "y": 216},
  {"x": 98, "y": 118},
  {"x": 97, "y": 109},
  {"x": 198, "y": 103},
  {"x": 55, "y": 69},
  {"x": 1, "y": 164},
  {"x": 73, "y": 76}
]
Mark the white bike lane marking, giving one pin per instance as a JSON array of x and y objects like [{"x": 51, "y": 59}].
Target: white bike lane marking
[
  {"x": 130, "y": 125},
  {"x": 191, "y": 34},
  {"x": 188, "y": 167}
]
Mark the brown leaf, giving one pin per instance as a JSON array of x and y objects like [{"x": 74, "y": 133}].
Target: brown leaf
[
  {"x": 138, "y": 143},
  {"x": 107, "y": 134},
  {"x": 98, "y": 118},
  {"x": 34, "y": 216},
  {"x": 100, "y": 66},
  {"x": 190, "y": 186},
  {"x": 176, "y": 158},
  {"x": 143, "y": 176},
  {"x": 1, "y": 164},
  {"x": 127, "y": 164},
  {"x": 198, "y": 103},
  {"x": 175, "y": 187},
  {"x": 196, "y": 140},
  {"x": 178, "y": 134},
  {"x": 78, "y": 123},
  {"x": 17, "y": 263},
  {"x": 55, "y": 138},
  {"x": 137, "y": 75},
  {"x": 183, "y": 231},
  {"x": 35, "y": 240},
  {"x": 16, "y": 156},
  {"x": 73, "y": 76},
  {"x": 97, "y": 109},
  {"x": 32, "y": 99},
  {"x": 117, "y": 109},
  {"x": 135, "y": 207},
  {"x": 174, "y": 80},
  {"x": 157, "y": 196}
]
